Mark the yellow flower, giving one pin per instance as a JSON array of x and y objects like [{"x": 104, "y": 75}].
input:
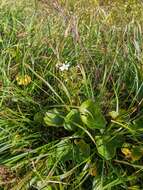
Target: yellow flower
[
  {"x": 126, "y": 152},
  {"x": 134, "y": 154},
  {"x": 23, "y": 80}
]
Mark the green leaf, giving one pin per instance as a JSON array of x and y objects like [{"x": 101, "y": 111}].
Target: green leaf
[
  {"x": 137, "y": 153},
  {"x": 72, "y": 118},
  {"x": 105, "y": 147},
  {"x": 64, "y": 150},
  {"x": 91, "y": 115},
  {"x": 135, "y": 187},
  {"x": 54, "y": 118},
  {"x": 137, "y": 125},
  {"x": 38, "y": 118},
  {"x": 77, "y": 152},
  {"x": 82, "y": 150}
]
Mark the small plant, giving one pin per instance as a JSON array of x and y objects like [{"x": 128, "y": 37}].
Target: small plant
[{"x": 88, "y": 120}]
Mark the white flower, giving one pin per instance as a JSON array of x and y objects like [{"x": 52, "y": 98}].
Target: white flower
[{"x": 64, "y": 67}]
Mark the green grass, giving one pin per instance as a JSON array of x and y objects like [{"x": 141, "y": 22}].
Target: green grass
[{"x": 80, "y": 128}]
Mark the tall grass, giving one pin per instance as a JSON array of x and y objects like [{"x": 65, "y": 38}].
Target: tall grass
[{"x": 77, "y": 122}]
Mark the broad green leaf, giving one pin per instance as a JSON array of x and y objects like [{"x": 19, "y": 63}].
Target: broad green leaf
[
  {"x": 67, "y": 151},
  {"x": 82, "y": 150},
  {"x": 64, "y": 150},
  {"x": 72, "y": 118},
  {"x": 91, "y": 115},
  {"x": 105, "y": 147},
  {"x": 54, "y": 118}
]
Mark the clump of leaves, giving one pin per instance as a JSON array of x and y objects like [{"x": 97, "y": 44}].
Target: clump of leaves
[{"x": 87, "y": 118}]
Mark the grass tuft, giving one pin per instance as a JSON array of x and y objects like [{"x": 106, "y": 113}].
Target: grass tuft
[{"x": 71, "y": 95}]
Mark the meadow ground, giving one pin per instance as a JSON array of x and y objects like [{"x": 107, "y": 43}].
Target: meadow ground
[{"x": 71, "y": 95}]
